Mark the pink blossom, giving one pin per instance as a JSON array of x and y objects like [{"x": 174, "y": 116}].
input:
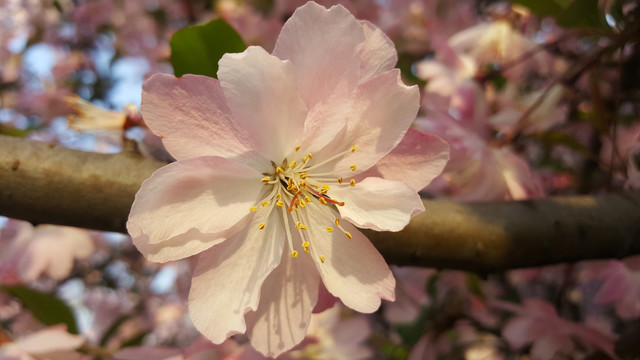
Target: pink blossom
[
  {"x": 536, "y": 322},
  {"x": 621, "y": 287},
  {"x": 44, "y": 250},
  {"x": 51, "y": 343},
  {"x": 265, "y": 177}
]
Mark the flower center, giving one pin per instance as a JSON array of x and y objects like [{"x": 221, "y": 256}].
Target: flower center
[{"x": 296, "y": 188}]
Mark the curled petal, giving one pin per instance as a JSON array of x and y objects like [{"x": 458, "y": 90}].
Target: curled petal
[
  {"x": 352, "y": 269},
  {"x": 193, "y": 107},
  {"x": 379, "y": 204},
  {"x": 416, "y": 161},
  {"x": 288, "y": 297},
  {"x": 228, "y": 279},
  {"x": 320, "y": 43},
  {"x": 377, "y": 53},
  {"x": 262, "y": 94},
  {"x": 205, "y": 195}
]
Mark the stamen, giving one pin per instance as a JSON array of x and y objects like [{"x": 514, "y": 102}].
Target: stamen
[
  {"x": 265, "y": 179},
  {"x": 265, "y": 203},
  {"x": 306, "y": 244},
  {"x": 353, "y": 148},
  {"x": 294, "y": 254},
  {"x": 353, "y": 167},
  {"x": 339, "y": 180},
  {"x": 279, "y": 170},
  {"x": 322, "y": 259},
  {"x": 298, "y": 147},
  {"x": 304, "y": 159},
  {"x": 352, "y": 182},
  {"x": 323, "y": 201},
  {"x": 261, "y": 226},
  {"x": 307, "y": 199},
  {"x": 253, "y": 208},
  {"x": 292, "y": 164},
  {"x": 279, "y": 203},
  {"x": 302, "y": 203},
  {"x": 329, "y": 229},
  {"x": 337, "y": 222},
  {"x": 278, "y": 196},
  {"x": 303, "y": 176},
  {"x": 348, "y": 234},
  {"x": 309, "y": 156}
]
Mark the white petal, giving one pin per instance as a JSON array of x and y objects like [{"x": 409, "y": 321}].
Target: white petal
[
  {"x": 227, "y": 280},
  {"x": 262, "y": 94},
  {"x": 378, "y": 204}
]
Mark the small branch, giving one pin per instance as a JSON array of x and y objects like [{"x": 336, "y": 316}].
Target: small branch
[{"x": 46, "y": 183}]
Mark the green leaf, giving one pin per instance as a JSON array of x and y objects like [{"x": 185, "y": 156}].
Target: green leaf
[
  {"x": 576, "y": 14},
  {"x": 474, "y": 284},
  {"x": 45, "y": 307},
  {"x": 544, "y": 7},
  {"x": 582, "y": 14},
  {"x": 196, "y": 49},
  {"x": 554, "y": 138}
]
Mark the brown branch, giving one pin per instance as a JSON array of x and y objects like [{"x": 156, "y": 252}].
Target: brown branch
[{"x": 45, "y": 183}]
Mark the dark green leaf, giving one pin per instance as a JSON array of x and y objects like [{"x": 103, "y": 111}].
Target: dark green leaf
[
  {"x": 474, "y": 283},
  {"x": 411, "y": 333},
  {"x": 582, "y": 14},
  {"x": 544, "y": 7},
  {"x": 196, "y": 49},
  {"x": 45, "y": 307}
]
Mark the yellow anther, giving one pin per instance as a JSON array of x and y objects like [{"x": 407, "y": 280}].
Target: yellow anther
[
  {"x": 309, "y": 156},
  {"x": 278, "y": 196},
  {"x": 348, "y": 234},
  {"x": 306, "y": 250},
  {"x": 337, "y": 222},
  {"x": 322, "y": 259},
  {"x": 266, "y": 179},
  {"x": 261, "y": 226},
  {"x": 306, "y": 244},
  {"x": 307, "y": 199},
  {"x": 294, "y": 254},
  {"x": 253, "y": 208},
  {"x": 302, "y": 203},
  {"x": 324, "y": 188},
  {"x": 292, "y": 164},
  {"x": 298, "y": 147},
  {"x": 353, "y": 148},
  {"x": 279, "y": 203},
  {"x": 353, "y": 167},
  {"x": 323, "y": 201},
  {"x": 303, "y": 227},
  {"x": 296, "y": 205},
  {"x": 279, "y": 170},
  {"x": 298, "y": 225},
  {"x": 303, "y": 176},
  {"x": 352, "y": 182},
  {"x": 265, "y": 203},
  {"x": 339, "y": 180},
  {"x": 304, "y": 159},
  {"x": 341, "y": 203},
  {"x": 329, "y": 229}
]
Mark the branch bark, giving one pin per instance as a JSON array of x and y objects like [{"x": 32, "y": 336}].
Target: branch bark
[{"x": 47, "y": 183}]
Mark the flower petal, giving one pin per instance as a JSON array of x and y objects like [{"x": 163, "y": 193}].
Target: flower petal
[
  {"x": 287, "y": 300},
  {"x": 262, "y": 94},
  {"x": 377, "y": 53},
  {"x": 204, "y": 195},
  {"x": 383, "y": 110},
  {"x": 416, "y": 161},
  {"x": 359, "y": 284},
  {"x": 227, "y": 280},
  {"x": 322, "y": 46},
  {"x": 378, "y": 204},
  {"x": 193, "y": 107}
]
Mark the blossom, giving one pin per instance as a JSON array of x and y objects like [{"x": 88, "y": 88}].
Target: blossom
[
  {"x": 50, "y": 343},
  {"x": 536, "y": 322},
  {"x": 276, "y": 162},
  {"x": 42, "y": 250}
]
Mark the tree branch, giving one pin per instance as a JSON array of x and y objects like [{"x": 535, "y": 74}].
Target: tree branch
[{"x": 47, "y": 183}]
